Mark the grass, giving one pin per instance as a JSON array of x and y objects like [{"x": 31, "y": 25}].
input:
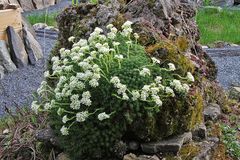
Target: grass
[
  {"x": 49, "y": 19},
  {"x": 219, "y": 25}
]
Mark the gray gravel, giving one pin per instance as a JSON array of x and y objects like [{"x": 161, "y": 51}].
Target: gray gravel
[
  {"x": 228, "y": 70},
  {"x": 16, "y": 88}
]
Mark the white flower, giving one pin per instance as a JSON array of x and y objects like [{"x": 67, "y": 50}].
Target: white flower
[
  {"x": 103, "y": 116},
  {"x": 118, "y": 56},
  {"x": 154, "y": 90},
  {"x": 65, "y": 119},
  {"x": 190, "y": 77},
  {"x": 171, "y": 67},
  {"x": 86, "y": 98},
  {"x": 169, "y": 91},
  {"x": 144, "y": 72},
  {"x": 46, "y": 74},
  {"x": 82, "y": 116},
  {"x": 83, "y": 42},
  {"x": 47, "y": 106},
  {"x": 109, "y": 26},
  {"x": 75, "y": 103},
  {"x": 35, "y": 107},
  {"x": 155, "y": 60},
  {"x": 146, "y": 88},
  {"x": 127, "y": 24},
  {"x": 136, "y": 36},
  {"x": 186, "y": 88},
  {"x": 157, "y": 100},
  {"x": 115, "y": 80},
  {"x": 93, "y": 83},
  {"x": 64, "y": 131},
  {"x": 111, "y": 35},
  {"x": 144, "y": 95},
  {"x": 129, "y": 42},
  {"x": 125, "y": 97},
  {"x": 114, "y": 30},
  {"x": 158, "y": 79},
  {"x": 121, "y": 88},
  {"x": 55, "y": 58},
  {"x": 116, "y": 44},
  {"x": 98, "y": 30},
  {"x": 135, "y": 95},
  {"x": 71, "y": 39}
]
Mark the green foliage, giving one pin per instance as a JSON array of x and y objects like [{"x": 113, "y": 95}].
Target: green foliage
[
  {"x": 217, "y": 25},
  {"x": 88, "y": 135},
  {"x": 49, "y": 19},
  {"x": 231, "y": 141},
  {"x": 207, "y": 2}
]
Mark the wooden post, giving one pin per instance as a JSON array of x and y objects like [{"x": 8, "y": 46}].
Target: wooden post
[{"x": 10, "y": 17}]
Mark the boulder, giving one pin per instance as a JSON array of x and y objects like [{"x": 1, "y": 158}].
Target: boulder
[
  {"x": 200, "y": 132},
  {"x": 17, "y": 48},
  {"x": 223, "y": 3},
  {"x": 172, "y": 145},
  {"x": 62, "y": 156},
  {"x": 32, "y": 47},
  {"x": 212, "y": 112},
  {"x": 5, "y": 59},
  {"x": 141, "y": 157}
]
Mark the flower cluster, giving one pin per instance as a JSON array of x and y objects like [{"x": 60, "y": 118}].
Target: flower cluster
[{"x": 83, "y": 69}]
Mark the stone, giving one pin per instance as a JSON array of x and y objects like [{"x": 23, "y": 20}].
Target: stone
[
  {"x": 133, "y": 146},
  {"x": 223, "y": 3},
  {"x": 17, "y": 48},
  {"x": 63, "y": 156},
  {"x": 172, "y": 145},
  {"x": 12, "y": 6},
  {"x": 47, "y": 136},
  {"x": 141, "y": 157},
  {"x": 27, "y": 5},
  {"x": 234, "y": 93},
  {"x": 39, "y": 26},
  {"x": 200, "y": 132},
  {"x": 5, "y": 59},
  {"x": 1, "y": 72},
  {"x": 28, "y": 26},
  {"x": 32, "y": 47},
  {"x": 212, "y": 112}
]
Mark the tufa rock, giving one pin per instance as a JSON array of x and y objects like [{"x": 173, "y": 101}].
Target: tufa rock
[
  {"x": 32, "y": 47},
  {"x": 47, "y": 136},
  {"x": 212, "y": 112},
  {"x": 17, "y": 49},
  {"x": 172, "y": 145},
  {"x": 5, "y": 58},
  {"x": 234, "y": 93},
  {"x": 200, "y": 132}
]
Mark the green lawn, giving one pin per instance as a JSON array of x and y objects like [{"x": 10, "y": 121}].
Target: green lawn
[
  {"x": 49, "y": 19},
  {"x": 217, "y": 25}
]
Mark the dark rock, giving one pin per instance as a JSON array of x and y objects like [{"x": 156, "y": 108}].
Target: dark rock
[
  {"x": 172, "y": 145},
  {"x": 1, "y": 6},
  {"x": 32, "y": 47},
  {"x": 200, "y": 132},
  {"x": 12, "y": 6},
  {"x": 5, "y": 59},
  {"x": 47, "y": 136},
  {"x": 120, "y": 149},
  {"x": 17, "y": 49},
  {"x": 133, "y": 146},
  {"x": 212, "y": 112}
]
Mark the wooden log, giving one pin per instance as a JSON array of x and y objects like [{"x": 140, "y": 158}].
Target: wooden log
[{"x": 10, "y": 17}]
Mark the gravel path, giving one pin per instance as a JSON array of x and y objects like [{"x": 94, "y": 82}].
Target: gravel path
[
  {"x": 16, "y": 88},
  {"x": 228, "y": 63}
]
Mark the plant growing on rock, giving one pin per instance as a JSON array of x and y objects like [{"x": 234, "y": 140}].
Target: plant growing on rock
[{"x": 102, "y": 85}]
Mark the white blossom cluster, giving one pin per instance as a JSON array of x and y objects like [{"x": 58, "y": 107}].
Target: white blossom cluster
[{"x": 80, "y": 69}]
